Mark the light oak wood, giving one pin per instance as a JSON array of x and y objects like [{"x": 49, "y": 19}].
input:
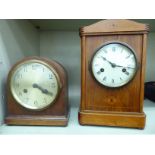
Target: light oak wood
[
  {"x": 114, "y": 26},
  {"x": 100, "y": 99},
  {"x": 134, "y": 120}
]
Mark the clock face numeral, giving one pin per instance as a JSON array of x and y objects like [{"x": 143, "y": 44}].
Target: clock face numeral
[
  {"x": 53, "y": 85},
  {"x": 105, "y": 51},
  {"x": 43, "y": 69},
  {"x": 128, "y": 56},
  {"x": 45, "y": 100},
  {"x": 127, "y": 73},
  {"x": 17, "y": 85},
  {"x": 113, "y": 80},
  {"x": 34, "y": 85},
  {"x": 19, "y": 76},
  {"x": 25, "y": 69},
  {"x": 104, "y": 78},
  {"x": 115, "y": 67},
  {"x": 50, "y": 76},
  {"x": 35, "y": 102},
  {"x": 20, "y": 93},
  {"x": 114, "y": 49},
  {"x": 98, "y": 72}
]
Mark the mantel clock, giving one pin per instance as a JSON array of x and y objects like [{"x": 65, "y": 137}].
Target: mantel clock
[
  {"x": 113, "y": 69},
  {"x": 37, "y": 93}
]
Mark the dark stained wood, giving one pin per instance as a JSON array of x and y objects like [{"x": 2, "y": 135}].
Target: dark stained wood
[
  {"x": 100, "y": 99},
  {"x": 56, "y": 114},
  {"x": 36, "y": 120}
]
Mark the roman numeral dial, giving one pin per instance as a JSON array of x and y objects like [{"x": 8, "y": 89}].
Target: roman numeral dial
[{"x": 114, "y": 64}]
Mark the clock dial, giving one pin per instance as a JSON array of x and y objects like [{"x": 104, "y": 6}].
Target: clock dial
[
  {"x": 114, "y": 64},
  {"x": 34, "y": 85}
]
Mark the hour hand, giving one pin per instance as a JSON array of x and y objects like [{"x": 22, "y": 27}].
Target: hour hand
[
  {"x": 44, "y": 91},
  {"x": 124, "y": 66}
]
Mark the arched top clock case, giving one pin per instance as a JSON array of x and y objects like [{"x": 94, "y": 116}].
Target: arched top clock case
[
  {"x": 37, "y": 93},
  {"x": 113, "y": 106}
]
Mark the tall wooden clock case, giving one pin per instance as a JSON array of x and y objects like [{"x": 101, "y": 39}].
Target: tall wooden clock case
[{"x": 113, "y": 69}]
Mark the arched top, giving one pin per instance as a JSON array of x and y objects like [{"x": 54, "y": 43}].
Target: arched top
[{"x": 114, "y": 26}]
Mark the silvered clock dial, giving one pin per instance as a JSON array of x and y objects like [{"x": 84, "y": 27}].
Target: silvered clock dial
[
  {"x": 114, "y": 64},
  {"x": 34, "y": 84}
]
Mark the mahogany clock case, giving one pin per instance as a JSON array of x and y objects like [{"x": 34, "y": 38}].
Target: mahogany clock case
[
  {"x": 56, "y": 114},
  {"x": 122, "y": 106}
]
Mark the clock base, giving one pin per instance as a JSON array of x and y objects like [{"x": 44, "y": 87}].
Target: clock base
[
  {"x": 37, "y": 121},
  {"x": 122, "y": 119}
]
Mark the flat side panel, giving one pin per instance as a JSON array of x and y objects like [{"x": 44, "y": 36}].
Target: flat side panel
[
  {"x": 143, "y": 71},
  {"x": 83, "y": 73}
]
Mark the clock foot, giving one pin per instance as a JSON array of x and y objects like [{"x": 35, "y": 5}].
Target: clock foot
[{"x": 122, "y": 119}]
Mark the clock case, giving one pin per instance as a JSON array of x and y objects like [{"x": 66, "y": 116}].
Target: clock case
[
  {"x": 105, "y": 106},
  {"x": 56, "y": 114}
]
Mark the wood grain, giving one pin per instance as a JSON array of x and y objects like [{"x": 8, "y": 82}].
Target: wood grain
[
  {"x": 134, "y": 120},
  {"x": 143, "y": 71},
  {"x": 59, "y": 109},
  {"x": 114, "y": 26},
  {"x": 97, "y": 98},
  {"x": 36, "y": 120}
]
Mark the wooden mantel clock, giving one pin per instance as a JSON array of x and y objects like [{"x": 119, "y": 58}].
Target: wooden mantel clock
[
  {"x": 113, "y": 69},
  {"x": 37, "y": 93}
]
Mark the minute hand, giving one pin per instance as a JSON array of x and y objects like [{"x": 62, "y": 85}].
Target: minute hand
[
  {"x": 112, "y": 64},
  {"x": 124, "y": 66},
  {"x": 115, "y": 65}
]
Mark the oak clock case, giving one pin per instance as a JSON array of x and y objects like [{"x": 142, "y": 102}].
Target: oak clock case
[
  {"x": 112, "y": 73},
  {"x": 37, "y": 93}
]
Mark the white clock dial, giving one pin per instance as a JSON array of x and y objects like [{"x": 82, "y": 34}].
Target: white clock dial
[
  {"x": 114, "y": 64},
  {"x": 34, "y": 85}
]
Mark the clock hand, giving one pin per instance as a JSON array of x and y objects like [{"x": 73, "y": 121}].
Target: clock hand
[
  {"x": 124, "y": 66},
  {"x": 112, "y": 64},
  {"x": 44, "y": 91}
]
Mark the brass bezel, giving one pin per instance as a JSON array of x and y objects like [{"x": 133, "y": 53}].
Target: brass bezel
[{"x": 33, "y": 60}]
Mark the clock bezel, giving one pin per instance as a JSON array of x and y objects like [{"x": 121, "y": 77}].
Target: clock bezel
[
  {"x": 105, "y": 44},
  {"x": 28, "y": 61}
]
